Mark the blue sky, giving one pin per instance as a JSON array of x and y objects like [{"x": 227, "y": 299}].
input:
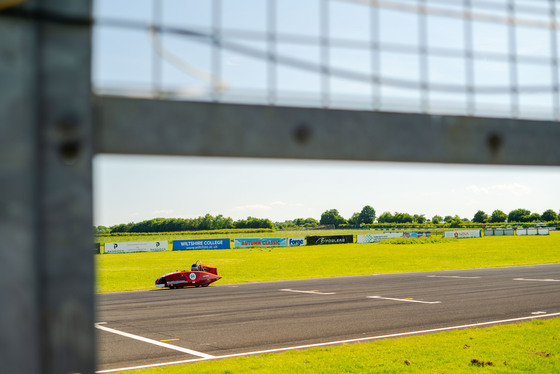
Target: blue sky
[{"x": 135, "y": 188}]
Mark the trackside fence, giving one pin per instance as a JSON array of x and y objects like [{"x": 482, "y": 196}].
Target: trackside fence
[{"x": 227, "y": 243}]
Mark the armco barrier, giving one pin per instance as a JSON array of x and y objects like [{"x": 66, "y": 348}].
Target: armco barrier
[
  {"x": 128, "y": 247},
  {"x": 259, "y": 242},
  {"x": 500, "y": 232},
  {"x": 332, "y": 239},
  {"x": 198, "y": 244},
  {"x": 533, "y": 231},
  {"x": 543, "y": 231}
]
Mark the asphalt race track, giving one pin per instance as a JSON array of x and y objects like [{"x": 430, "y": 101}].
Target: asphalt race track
[{"x": 164, "y": 326}]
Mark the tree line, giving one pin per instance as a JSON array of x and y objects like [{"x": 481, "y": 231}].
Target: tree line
[
  {"x": 208, "y": 222},
  {"x": 366, "y": 217}
]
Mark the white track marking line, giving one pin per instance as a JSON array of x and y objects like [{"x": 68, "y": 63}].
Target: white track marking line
[
  {"x": 338, "y": 342},
  {"x": 154, "y": 342},
  {"x": 536, "y": 280},
  {"x": 405, "y": 300},
  {"x": 451, "y": 276},
  {"x": 313, "y": 292}
]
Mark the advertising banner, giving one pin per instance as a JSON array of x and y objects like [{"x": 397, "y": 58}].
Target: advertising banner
[
  {"x": 376, "y": 238},
  {"x": 418, "y": 234},
  {"x": 296, "y": 242},
  {"x": 462, "y": 234},
  {"x": 128, "y": 247},
  {"x": 332, "y": 239},
  {"x": 197, "y": 244},
  {"x": 259, "y": 242}
]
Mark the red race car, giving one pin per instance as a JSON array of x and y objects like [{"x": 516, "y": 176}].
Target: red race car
[{"x": 199, "y": 276}]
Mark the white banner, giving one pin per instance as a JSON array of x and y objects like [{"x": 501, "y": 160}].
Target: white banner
[
  {"x": 128, "y": 247},
  {"x": 376, "y": 238},
  {"x": 463, "y": 234}
]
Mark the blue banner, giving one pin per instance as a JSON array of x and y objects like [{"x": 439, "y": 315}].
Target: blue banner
[
  {"x": 181, "y": 245},
  {"x": 259, "y": 242}
]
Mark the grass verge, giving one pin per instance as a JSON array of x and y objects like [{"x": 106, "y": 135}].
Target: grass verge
[
  {"x": 137, "y": 271},
  {"x": 530, "y": 347}
]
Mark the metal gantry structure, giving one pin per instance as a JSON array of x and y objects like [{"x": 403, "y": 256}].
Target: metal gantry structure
[{"x": 51, "y": 126}]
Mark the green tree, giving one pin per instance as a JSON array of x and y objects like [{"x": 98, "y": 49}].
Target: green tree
[
  {"x": 480, "y": 217},
  {"x": 173, "y": 224},
  {"x": 220, "y": 222},
  {"x": 403, "y": 218},
  {"x": 498, "y": 216},
  {"x": 101, "y": 230},
  {"x": 535, "y": 217},
  {"x": 456, "y": 222},
  {"x": 519, "y": 215},
  {"x": 367, "y": 215},
  {"x": 448, "y": 219},
  {"x": 385, "y": 217},
  {"x": 437, "y": 219},
  {"x": 206, "y": 222},
  {"x": 254, "y": 223},
  {"x": 332, "y": 217},
  {"x": 549, "y": 215},
  {"x": 286, "y": 225},
  {"x": 121, "y": 228},
  {"x": 354, "y": 220},
  {"x": 419, "y": 218},
  {"x": 305, "y": 222},
  {"x": 311, "y": 222}
]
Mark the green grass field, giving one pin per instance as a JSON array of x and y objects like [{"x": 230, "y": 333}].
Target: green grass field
[
  {"x": 137, "y": 271},
  {"x": 531, "y": 347}
]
